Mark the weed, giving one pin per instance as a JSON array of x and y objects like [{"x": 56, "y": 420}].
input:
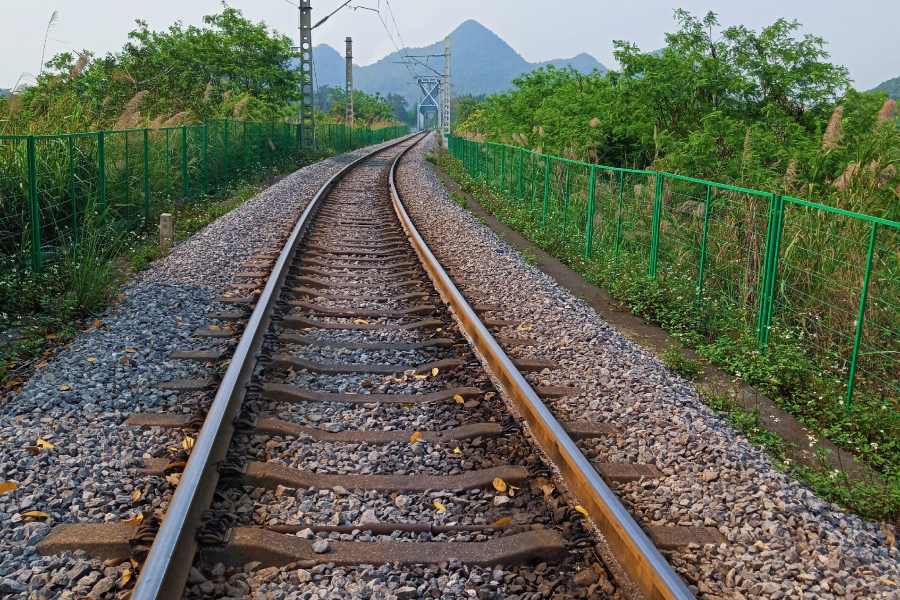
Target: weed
[
  {"x": 459, "y": 199},
  {"x": 686, "y": 367},
  {"x": 529, "y": 256},
  {"x": 87, "y": 263}
]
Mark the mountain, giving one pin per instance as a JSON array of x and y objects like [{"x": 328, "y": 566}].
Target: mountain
[
  {"x": 4, "y": 92},
  {"x": 891, "y": 86},
  {"x": 481, "y": 63}
]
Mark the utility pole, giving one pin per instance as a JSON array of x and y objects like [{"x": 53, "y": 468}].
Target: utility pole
[
  {"x": 349, "y": 116},
  {"x": 445, "y": 94},
  {"x": 307, "y": 110}
]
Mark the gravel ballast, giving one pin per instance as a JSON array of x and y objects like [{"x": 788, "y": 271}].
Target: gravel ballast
[
  {"x": 783, "y": 541},
  {"x": 77, "y": 402}
]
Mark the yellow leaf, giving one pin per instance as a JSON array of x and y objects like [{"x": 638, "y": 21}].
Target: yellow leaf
[
  {"x": 227, "y": 362},
  {"x": 126, "y": 361},
  {"x": 130, "y": 350},
  {"x": 114, "y": 562},
  {"x": 438, "y": 329},
  {"x": 489, "y": 395},
  {"x": 228, "y": 329},
  {"x": 177, "y": 304},
  {"x": 459, "y": 399},
  {"x": 34, "y": 449},
  {"x": 65, "y": 388},
  {"x": 136, "y": 496},
  {"x": 502, "y": 522},
  {"x": 440, "y": 506},
  {"x": 188, "y": 443},
  {"x": 500, "y": 485},
  {"x": 44, "y": 444},
  {"x": 407, "y": 406},
  {"x": 175, "y": 465},
  {"x": 434, "y": 372},
  {"x": 421, "y": 376},
  {"x": 888, "y": 581},
  {"x": 457, "y": 450},
  {"x": 415, "y": 437},
  {"x": 92, "y": 359},
  {"x": 121, "y": 297},
  {"x": 126, "y": 576},
  {"x": 37, "y": 514},
  {"x": 97, "y": 323},
  {"x": 523, "y": 328},
  {"x": 42, "y": 364},
  {"x": 215, "y": 328},
  {"x": 9, "y": 486},
  {"x": 581, "y": 509},
  {"x": 134, "y": 521},
  {"x": 360, "y": 321},
  {"x": 174, "y": 479}
]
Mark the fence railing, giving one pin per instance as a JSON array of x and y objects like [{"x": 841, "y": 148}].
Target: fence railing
[
  {"x": 47, "y": 182},
  {"x": 827, "y": 276}
]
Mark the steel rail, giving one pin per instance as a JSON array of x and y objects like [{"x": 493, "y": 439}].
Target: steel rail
[
  {"x": 637, "y": 555},
  {"x": 166, "y": 570}
]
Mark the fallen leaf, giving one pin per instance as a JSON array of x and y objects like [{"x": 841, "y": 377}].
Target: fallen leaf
[
  {"x": 440, "y": 506},
  {"x": 421, "y": 376},
  {"x": 42, "y": 364},
  {"x": 175, "y": 465},
  {"x": 887, "y": 581},
  {"x": 136, "y": 496},
  {"x": 126, "y": 361},
  {"x": 889, "y": 535},
  {"x": 65, "y": 388},
  {"x": 37, "y": 514},
  {"x": 523, "y": 328},
  {"x": 489, "y": 395},
  {"x": 500, "y": 485},
  {"x": 97, "y": 323},
  {"x": 581, "y": 509},
  {"x": 547, "y": 489},
  {"x": 91, "y": 359},
  {"x": 44, "y": 444},
  {"x": 134, "y": 521},
  {"x": 227, "y": 362},
  {"x": 126, "y": 576},
  {"x": 365, "y": 383},
  {"x": 130, "y": 350},
  {"x": 360, "y": 321},
  {"x": 188, "y": 443},
  {"x": 114, "y": 562},
  {"x": 415, "y": 437},
  {"x": 215, "y": 328},
  {"x": 459, "y": 399},
  {"x": 177, "y": 304},
  {"x": 407, "y": 405},
  {"x": 439, "y": 329},
  {"x": 9, "y": 486},
  {"x": 121, "y": 297},
  {"x": 52, "y": 336},
  {"x": 502, "y": 522},
  {"x": 434, "y": 372},
  {"x": 457, "y": 450},
  {"x": 34, "y": 449},
  {"x": 174, "y": 479},
  {"x": 228, "y": 328}
]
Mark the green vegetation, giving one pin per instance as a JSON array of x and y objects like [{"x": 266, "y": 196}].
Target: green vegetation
[
  {"x": 368, "y": 111},
  {"x": 764, "y": 111},
  {"x": 231, "y": 68},
  {"x": 686, "y": 367},
  {"x": 789, "y": 371}
]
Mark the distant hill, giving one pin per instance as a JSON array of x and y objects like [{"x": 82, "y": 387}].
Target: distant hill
[
  {"x": 891, "y": 86},
  {"x": 481, "y": 63},
  {"x": 4, "y": 92}
]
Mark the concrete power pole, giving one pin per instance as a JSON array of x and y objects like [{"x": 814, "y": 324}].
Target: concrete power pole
[
  {"x": 307, "y": 110},
  {"x": 445, "y": 94},
  {"x": 349, "y": 116}
]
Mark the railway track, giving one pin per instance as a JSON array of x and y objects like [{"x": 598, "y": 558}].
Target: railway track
[{"x": 355, "y": 424}]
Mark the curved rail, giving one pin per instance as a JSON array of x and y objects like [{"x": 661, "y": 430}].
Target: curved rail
[
  {"x": 637, "y": 555},
  {"x": 171, "y": 555}
]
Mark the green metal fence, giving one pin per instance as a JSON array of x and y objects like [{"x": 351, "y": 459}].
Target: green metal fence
[
  {"x": 48, "y": 182},
  {"x": 828, "y": 276}
]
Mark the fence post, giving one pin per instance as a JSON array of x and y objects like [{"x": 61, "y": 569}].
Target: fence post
[
  {"x": 703, "y": 246},
  {"x": 146, "y": 176},
  {"x": 519, "y": 198},
  {"x": 566, "y": 203},
  {"x": 37, "y": 259},
  {"x": 184, "y": 163},
  {"x": 589, "y": 226},
  {"x": 654, "y": 229},
  {"x": 616, "y": 243},
  {"x": 101, "y": 172},
  {"x": 72, "y": 189},
  {"x": 862, "y": 314},
  {"x": 770, "y": 270},
  {"x": 546, "y": 191},
  {"x": 226, "y": 153}
]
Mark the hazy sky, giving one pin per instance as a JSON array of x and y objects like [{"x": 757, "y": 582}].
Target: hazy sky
[{"x": 861, "y": 35}]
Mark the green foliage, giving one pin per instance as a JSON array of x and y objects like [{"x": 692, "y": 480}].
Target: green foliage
[
  {"x": 891, "y": 87},
  {"x": 686, "y": 367},
  {"x": 231, "y": 67},
  {"x": 463, "y": 107},
  {"x": 367, "y": 109},
  {"x": 87, "y": 263},
  {"x": 722, "y": 104}
]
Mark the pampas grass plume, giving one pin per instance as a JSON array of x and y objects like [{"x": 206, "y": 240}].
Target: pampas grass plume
[{"x": 834, "y": 130}]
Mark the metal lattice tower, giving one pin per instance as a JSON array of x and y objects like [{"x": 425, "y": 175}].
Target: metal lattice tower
[
  {"x": 349, "y": 116},
  {"x": 307, "y": 112},
  {"x": 445, "y": 93},
  {"x": 429, "y": 92}
]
